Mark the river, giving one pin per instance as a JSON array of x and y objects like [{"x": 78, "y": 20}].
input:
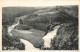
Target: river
[
  {"x": 29, "y": 38},
  {"x": 32, "y": 38}
]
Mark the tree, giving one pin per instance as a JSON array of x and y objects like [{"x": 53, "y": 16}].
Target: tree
[{"x": 21, "y": 22}]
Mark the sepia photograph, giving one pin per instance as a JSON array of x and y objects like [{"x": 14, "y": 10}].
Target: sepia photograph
[{"x": 40, "y": 27}]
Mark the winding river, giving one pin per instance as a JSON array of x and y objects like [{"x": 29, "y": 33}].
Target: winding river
[
  {"x": 25, "y": 36},
  {"x": 33, "y": 38}
]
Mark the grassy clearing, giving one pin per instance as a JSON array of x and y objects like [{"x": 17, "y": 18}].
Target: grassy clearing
[{"x": 35, "y": 37}]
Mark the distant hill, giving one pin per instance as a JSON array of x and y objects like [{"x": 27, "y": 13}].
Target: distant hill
[
  {"x": 60, "y": 14},
  {"x": 9, "y": 13},
  {"x": 18, "y": 10}
]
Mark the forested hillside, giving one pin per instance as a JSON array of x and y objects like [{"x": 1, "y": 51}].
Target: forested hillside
[{"x": 60, "y": 15}]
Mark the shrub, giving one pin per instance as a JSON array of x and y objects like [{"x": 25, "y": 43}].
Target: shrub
[{"x": 22, "y": 27}]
